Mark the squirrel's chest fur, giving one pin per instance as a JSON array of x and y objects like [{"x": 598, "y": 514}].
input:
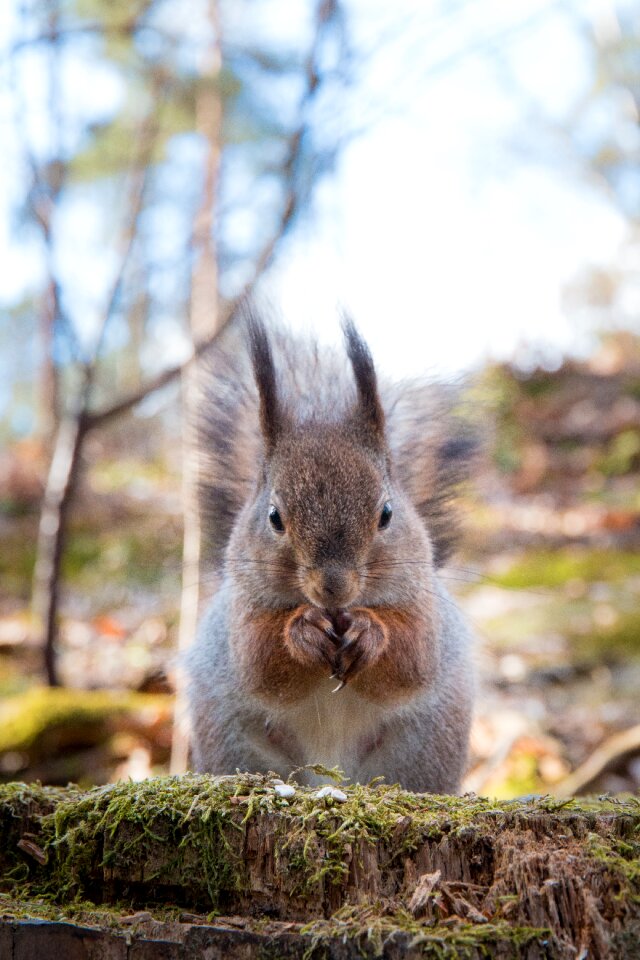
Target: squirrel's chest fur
[{"x": 334, "y": 729}]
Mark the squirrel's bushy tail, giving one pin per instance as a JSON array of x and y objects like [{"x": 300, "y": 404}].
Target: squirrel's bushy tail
[{"x": 431, "y": 447}]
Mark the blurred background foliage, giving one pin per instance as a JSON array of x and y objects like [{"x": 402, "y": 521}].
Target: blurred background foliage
[{"x": 166, "y": 158}]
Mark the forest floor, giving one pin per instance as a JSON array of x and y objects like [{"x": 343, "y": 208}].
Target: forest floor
[{"x": 549, "y": 578}]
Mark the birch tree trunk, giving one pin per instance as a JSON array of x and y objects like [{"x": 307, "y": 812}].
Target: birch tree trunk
[
  {"x": 47, "y": 401},
  {"x": 61, "y": 481},
  {"x": 203, "y": 321}
]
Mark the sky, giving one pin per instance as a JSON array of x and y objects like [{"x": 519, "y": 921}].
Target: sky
[
  {"x": 444, "y": 231},
  {"x": 449, "y": 246}
]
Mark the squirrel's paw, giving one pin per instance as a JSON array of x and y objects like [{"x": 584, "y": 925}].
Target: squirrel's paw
[
  {"x": 364, "y": 640},
  {"x": 310, "y": 637}
]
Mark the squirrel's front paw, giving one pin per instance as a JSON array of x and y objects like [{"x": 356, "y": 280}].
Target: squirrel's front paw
[
  {"x": 310, "y": 637},
  {"x": 364, "y": 640}
]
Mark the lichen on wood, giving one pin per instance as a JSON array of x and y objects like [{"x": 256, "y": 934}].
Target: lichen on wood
[{"x": 531, "y": 878}]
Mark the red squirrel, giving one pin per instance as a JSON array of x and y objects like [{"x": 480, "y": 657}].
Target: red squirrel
[{"x": 330, "y": 638}]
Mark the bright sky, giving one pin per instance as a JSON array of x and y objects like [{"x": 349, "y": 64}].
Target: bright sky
[
  {"x": 443, "y": 233},
  {"x": 447, "y": 245}
]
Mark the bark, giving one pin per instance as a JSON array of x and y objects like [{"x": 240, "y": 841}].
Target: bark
[
  {"x": 385, "y": 873},
  {"x": 47, "y": 186},
  {"x": 47, "y": 401}
]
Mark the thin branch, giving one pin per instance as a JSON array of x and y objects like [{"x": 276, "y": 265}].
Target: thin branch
[
  {"x": 65, "y": 462},
  {"x": 126, "y": 29},
  {"x": 100, "y": 417},
  {"x": 43, "y": 193},
  {"x": 614, "y": 750},
  {"x": 134, "y": 202}
]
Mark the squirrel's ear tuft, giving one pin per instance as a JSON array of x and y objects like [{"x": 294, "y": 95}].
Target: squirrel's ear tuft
[
  {"x": 265, "y": 376},
  {"x": 370, "y": 409}
]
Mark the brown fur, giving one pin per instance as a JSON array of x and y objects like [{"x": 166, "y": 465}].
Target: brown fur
[
  {"x": 404, "y": 663},
  {"x": 268, "y": 668},
  {"x": 382, "y": 652}
]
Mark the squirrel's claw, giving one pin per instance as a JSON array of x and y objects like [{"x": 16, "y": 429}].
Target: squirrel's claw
[
  {"x": 320, "y": 621},
  {"x": 339, "y": 687},
  {"x": 328, "y": 659},
  {"x": 354, "y": 666}
]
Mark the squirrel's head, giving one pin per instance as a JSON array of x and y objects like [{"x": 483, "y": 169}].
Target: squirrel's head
[{"x": 327, "y": 524}]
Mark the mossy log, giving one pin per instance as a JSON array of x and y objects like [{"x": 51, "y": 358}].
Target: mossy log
[
  {"x": 58, "y": 734},
  {"x": 190, "y": 861}
]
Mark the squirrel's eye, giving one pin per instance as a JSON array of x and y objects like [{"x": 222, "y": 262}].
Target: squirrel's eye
[
  {"x": 275, "y": 519},
  {"x": 385, "y": 516}
]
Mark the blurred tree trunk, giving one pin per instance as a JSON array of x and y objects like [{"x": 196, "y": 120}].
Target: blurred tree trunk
[
  {"x": 61, "y": 481},
  {"x": 48, "y": 394},
  {"x": 203, "y": 321},
  {"x": 67, "y": 450},
  {"x": 50, "y": 184}
]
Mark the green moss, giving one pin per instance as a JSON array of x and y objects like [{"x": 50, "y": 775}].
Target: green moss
[
  {"x": 142, "y": 557},
  {"x": 125, "y": 827},
  {"x": 522, "y": 779},
  {"x": 20, "y": 805},
  {"x": 366, "y": 926},
  {"x": 553, "y": 568},
  {"x": 622, "y": 455},
  {"x": 620, "y": 641},
  {"x": 187, "y": 840},
  {"x": 17, "y": 559},
  {"x": 371, "y": 928},
  {"x": 622, "y": 857},
  {"x": 28, "y": 716}
]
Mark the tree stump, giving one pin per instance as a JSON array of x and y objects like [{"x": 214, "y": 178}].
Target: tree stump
[{"x": 226, "y": 867}]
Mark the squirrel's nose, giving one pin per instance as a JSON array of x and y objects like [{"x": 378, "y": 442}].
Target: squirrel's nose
[{"x": 333, "y": 586}]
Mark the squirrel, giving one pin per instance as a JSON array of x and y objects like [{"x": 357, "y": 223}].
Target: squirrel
[{"x": 330, "y": 638}]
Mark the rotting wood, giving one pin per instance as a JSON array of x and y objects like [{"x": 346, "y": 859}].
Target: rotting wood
[{"x": 387, "y": 872}]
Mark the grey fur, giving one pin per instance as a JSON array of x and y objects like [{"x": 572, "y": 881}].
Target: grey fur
[{"x": 432, "y": 447}]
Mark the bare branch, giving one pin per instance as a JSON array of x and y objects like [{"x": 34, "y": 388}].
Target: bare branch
[
  {"x": 618, "y": 747},
  {"x": 44, "y": 191},
  {"x": 325, "y": 13},
  {"x": 141, "y": 168},
  {"x": 125, "y": 29},
  {"x": 65, "y": 462}
]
